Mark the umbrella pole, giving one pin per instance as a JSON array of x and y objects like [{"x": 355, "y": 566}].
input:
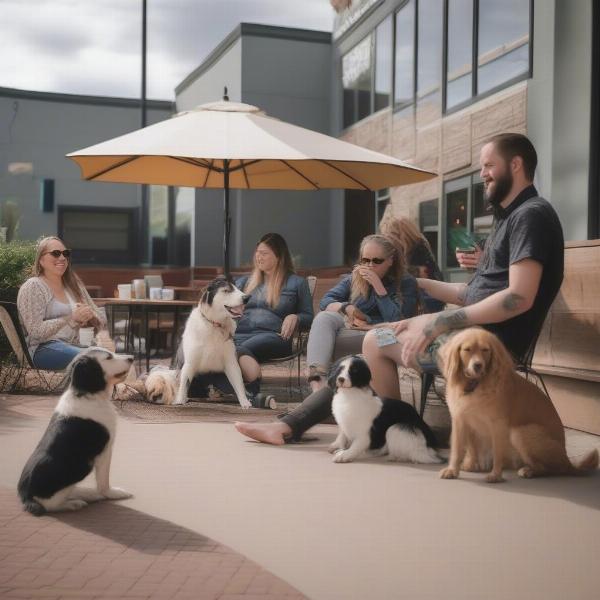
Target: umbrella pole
[{"x": 227, "y": 224}]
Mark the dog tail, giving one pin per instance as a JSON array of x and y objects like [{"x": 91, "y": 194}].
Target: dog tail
[
  {"x": 588, "y": 463},
  {"x": 34, "y": 507}
]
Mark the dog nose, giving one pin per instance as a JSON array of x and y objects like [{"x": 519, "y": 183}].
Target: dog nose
[
  {"x": 245, "y": 299},
  {"x": 341, "y": 380},
  {"x": 130, "y": 359},
  {"x": 477, "y": 366}
]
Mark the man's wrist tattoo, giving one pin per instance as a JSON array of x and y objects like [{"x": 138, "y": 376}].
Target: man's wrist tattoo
[
  {"x": 512, "y": 302},
  {"x": 450, "y": 319}
]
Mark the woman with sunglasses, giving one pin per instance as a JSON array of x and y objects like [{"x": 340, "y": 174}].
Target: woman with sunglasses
[
  {"x": 53, "y": 305},
  {"x": 377, "y": 291}
]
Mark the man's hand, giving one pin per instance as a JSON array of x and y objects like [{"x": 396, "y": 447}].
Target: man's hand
[
  {"x": 289, "y": 326},
  {"x": 469, "y": 260},
  {"x": 418, "y": 333}
]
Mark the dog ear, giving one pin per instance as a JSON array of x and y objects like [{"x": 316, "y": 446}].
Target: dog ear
[
  {"x": 501, "y": 362},
  {"x": 359, "y": 372},
  {"x": 87, "y": 376},
  {"x": 449, "y": 361}
]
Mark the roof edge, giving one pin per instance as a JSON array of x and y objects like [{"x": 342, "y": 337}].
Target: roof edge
[
  {"x": 83, "y": 99},
  {"x": 253, "y": 30}
]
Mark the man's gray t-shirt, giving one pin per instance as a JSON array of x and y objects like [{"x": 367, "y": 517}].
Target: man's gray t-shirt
[{"x": 528, "y": 228}]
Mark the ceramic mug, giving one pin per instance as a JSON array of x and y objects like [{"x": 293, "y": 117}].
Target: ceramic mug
[{"x": 86, "y": 336}]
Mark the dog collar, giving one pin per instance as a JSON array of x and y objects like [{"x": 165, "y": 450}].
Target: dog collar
[{"x": 215, "y": 324}]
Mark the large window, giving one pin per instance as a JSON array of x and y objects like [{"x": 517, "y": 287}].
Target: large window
[
  {"x": 404, "y": 55},
  {"x": 487, "y": 47},
  {"x": 367, "y": 74},
  {"x": 100, "y": 235},
  {"x": 382, "y": 201},
  {"x": 468, "y": 218},
  {"x": 430, "y": 47},
  {"x": 428, "y": 224}
]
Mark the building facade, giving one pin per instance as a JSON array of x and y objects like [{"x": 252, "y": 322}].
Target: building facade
[{"x": 428, "y": 81}]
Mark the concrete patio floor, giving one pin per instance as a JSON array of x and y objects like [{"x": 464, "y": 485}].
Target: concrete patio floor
[{"x": 261, "y": 516}]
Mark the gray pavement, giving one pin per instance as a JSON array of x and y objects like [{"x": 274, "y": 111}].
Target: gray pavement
[{"x": 366, "y": 530}]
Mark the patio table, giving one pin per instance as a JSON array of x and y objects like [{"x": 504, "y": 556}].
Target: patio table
[{"x": 145, "y": 307}]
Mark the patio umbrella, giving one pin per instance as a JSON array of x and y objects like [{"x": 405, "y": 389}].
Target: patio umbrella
[{"x": 233, "y": 145}]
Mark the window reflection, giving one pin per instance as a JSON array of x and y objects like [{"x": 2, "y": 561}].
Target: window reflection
[
  {"x": 404, "y": 54},
  {"x": 456, "y": 218},
  {"x": 503, "y": 42},
  {"x": 356, "y": 82},
  {"x": 429, "y": 70},
  {"x": 159, "y": 224},
  {"x": 460, "y": 52},
  {"x": 383, "y": 64}
]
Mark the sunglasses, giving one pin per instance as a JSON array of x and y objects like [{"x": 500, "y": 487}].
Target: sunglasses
[
  {"x": 372, "y": 261},
  {"x": 56, "y": 253}
]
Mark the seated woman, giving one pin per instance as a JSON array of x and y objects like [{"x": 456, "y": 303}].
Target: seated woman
[
  {"x": 280, "y": 302},
  {"x": 413, "y": 245},
  {"x": 377, "y": 291},
  {"x": 53, "y": 305}
]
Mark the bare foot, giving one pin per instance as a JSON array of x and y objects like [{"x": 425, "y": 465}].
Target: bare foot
[{"x": 268, "y": 433}]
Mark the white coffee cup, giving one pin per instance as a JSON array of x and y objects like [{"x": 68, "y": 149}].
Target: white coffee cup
[
  {"x": 139, "y": 287},
  {"x": 168, "y": 294},
  {"x": 124, "y": 291},
  {"x": 86, "y": 336},
  {"x": 155, "y": 293}
]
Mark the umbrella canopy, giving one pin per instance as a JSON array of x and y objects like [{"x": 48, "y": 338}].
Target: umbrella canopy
[{"x": 233, "y": 145}]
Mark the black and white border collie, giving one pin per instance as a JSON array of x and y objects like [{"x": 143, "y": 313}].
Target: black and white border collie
[
  {"x": 79, "y": 438},
  {"x": 373, "y": 426},
  {"x": 208, "y": 340}
]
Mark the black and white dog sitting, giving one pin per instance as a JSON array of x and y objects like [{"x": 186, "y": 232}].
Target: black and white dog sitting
[
  {"x": 373, "y": 426},
  {"x": 79, "y": 438}
]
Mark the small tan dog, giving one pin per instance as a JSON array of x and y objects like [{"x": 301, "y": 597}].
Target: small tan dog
[{"x": 499, "y": 415}]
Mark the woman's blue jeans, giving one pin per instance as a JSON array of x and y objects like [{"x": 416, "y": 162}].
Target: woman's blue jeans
[{"x": 54, "y": 355}]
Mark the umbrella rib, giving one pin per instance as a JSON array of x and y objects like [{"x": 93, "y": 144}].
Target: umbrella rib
[
  {"x": 115, "y": 166},
  {"x": 208, "y": 170},
  {"x": 346, "y": 174},
  {"x": 245, "y": 174},
  {"x": 195, "y": 162},
  {"x": 289, "y": 166}
]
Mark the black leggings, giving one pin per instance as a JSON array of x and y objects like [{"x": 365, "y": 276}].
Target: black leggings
[{"x": 315, "y": 409}]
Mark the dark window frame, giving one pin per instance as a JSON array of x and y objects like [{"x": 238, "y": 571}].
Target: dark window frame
[
  {"x": 105, "y": 257},
  {"x": 475, "y": 97}
]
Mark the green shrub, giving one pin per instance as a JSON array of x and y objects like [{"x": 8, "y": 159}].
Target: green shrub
[{"x": 16, "y": 259}]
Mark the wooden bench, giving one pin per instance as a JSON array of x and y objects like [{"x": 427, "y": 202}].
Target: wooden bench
[{"x": 568, "y": 350}]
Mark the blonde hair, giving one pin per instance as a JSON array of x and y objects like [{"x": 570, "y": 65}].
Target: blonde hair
[
  {"x": 69, "y": 279},
  {"x": 360, "y": 287},
  {"x": 404, "y": 234},
  {"x": 283, "y": 269}
]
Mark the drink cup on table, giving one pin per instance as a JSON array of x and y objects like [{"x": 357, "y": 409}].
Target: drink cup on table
[
  {"x": 155, "y": 293},
  {"x": 168, "y": 294},
  {"x": 86, "y": 336},
  {"x": 124, "y": 291}
]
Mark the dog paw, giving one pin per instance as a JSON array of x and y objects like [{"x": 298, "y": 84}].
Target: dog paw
[
  {"x": 448, "y": 473},
  {"x": 493, "y": 478},
  {"x": 116, "y": 494},
  {"x": 342, "y": 456},
  {"x": 75, "y": 504},
  {"x": 333, "y": 448},
  {"x": 526, "y": 472},
  {"x": 245, "y": 403}
]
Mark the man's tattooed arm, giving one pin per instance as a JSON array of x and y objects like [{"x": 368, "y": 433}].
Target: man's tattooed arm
[
  {"x": 512, "y": 302},
  {"x": 449, "y": 319}
]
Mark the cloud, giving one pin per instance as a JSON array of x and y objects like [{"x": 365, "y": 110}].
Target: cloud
[{"x": 87, "y": 47}]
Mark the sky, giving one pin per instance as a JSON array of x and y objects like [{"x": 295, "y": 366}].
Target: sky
[{"x": 94, "y": 46}]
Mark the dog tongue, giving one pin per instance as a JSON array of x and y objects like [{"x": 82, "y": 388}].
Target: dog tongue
[{"x": 237, "y": 310}]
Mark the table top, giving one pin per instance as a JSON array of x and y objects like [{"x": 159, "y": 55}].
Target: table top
[{"x": 144, "y": 302}]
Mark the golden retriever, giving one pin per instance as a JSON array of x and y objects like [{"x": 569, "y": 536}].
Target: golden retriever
[{"x": 498, "y": 414}]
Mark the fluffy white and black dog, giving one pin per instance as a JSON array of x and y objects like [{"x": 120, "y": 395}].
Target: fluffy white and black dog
[
  {"x": 208, "y": 340},
  {"x": 373, "y": 426},
  {"x": 79, "y": 438}
]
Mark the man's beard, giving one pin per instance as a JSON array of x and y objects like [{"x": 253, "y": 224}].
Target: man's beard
[{"x": 502, "y": 187}]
